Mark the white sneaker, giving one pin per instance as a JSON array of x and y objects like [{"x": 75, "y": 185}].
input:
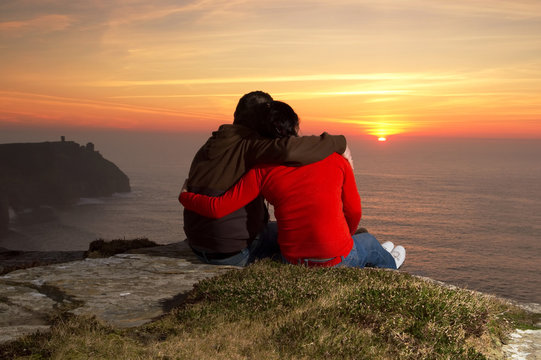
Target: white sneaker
[
  {"x": 399, "y": 254},
  {"x": 388, "y": 246}
]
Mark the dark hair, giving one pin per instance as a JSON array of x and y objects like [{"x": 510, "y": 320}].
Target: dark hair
[
  {"x": 281, "y": 121},
  {"x": 249, "y": 109}
]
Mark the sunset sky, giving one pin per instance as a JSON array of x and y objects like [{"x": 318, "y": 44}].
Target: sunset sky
[{"x": 468, "y": 68}]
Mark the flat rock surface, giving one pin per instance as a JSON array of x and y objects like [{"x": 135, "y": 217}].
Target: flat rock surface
[
  {"x": 124, "y": 290},
  {"x": 524, "y": 344}
]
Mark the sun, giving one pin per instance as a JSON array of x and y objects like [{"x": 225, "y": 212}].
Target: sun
[{"x": 382, "y": 138}]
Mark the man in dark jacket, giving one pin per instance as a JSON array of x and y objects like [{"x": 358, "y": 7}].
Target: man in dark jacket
[{"x": 233, "y": 149}]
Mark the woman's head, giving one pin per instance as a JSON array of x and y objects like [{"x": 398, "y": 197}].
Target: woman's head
[{"x": 281, "y": 121}]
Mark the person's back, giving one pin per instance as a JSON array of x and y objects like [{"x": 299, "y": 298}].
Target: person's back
[
  {"x": 216, "y": 166},
  {"x": 317, "y": 207}
]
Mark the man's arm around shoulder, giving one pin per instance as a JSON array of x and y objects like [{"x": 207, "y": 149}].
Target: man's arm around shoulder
[{"x": 295, "y": 151}]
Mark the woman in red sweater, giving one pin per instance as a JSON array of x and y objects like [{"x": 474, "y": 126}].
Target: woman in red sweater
[{"x": 317, "y": 206}]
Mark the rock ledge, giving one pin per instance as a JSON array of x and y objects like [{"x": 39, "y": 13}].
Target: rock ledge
[
  {"x": 124, "y": 290},
  {"x": 134, "y": 288}
]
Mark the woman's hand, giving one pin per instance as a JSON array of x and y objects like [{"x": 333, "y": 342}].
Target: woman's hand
[
  {"x": 184, "y": 186},
  {"x": 347, "y": 156}
]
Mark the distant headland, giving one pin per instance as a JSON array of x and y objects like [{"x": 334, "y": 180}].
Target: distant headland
[{"x": 36, "y": 175}]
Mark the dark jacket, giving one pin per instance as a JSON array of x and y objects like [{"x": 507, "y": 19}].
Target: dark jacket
[{"x": 221, "y": 162}]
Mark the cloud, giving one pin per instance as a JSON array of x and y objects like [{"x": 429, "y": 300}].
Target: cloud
[
  {"x": 273, "y": 79},
  {"x": 516, "y": 9},
  {"x": 41, "y": 99},
  {"x": 40, "y": 24},
  {"x": 297, "y": 93},
  {"x": 133, "y": 12}
]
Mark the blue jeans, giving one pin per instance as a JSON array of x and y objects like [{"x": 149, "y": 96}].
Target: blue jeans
[
  {"x": 367, "y": 251},
  {"x": 264, "y": 245}
]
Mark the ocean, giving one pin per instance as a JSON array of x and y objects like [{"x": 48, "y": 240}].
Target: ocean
[{"x": 468, "y": 211}]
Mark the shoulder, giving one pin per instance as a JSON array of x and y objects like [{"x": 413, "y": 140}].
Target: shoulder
[
  {"x": 228, "y": 137},
  {"x": 232, "y": 130},
  {"x": 337, "y": 159},
  {"x": 338, "y": 162}
]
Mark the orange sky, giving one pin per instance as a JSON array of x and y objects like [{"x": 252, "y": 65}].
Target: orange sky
[{"x": 383, "y": 67}]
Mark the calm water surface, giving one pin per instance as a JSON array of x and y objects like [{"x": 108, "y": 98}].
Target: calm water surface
[{"x": 468, "y": 212}]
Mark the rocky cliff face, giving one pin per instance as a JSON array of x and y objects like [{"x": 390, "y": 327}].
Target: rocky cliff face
[{"x": 53, "y": 173}]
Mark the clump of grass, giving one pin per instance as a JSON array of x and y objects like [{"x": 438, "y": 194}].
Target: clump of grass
[
  {"x": 275, "y": 311},
  {"x": 105, "y": 248},
  {"x": 73, "y": 337}
]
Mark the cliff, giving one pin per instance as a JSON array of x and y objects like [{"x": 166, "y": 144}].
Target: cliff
[{"x": 34, "y": 175}]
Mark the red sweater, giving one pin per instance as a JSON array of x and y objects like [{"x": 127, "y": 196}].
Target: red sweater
[{"x": 317, "y": 206}]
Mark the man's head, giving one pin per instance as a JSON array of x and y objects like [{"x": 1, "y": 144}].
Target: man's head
[{"x": 249, "y": 109}]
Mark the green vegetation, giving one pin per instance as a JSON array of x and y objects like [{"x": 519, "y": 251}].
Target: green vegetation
[{"x": 274, "y": 311}]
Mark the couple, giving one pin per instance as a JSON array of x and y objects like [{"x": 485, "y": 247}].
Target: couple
[{"x": 310, "y": 185}]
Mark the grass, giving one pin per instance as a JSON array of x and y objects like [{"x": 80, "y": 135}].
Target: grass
[{"x": 274, "y": 311}]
